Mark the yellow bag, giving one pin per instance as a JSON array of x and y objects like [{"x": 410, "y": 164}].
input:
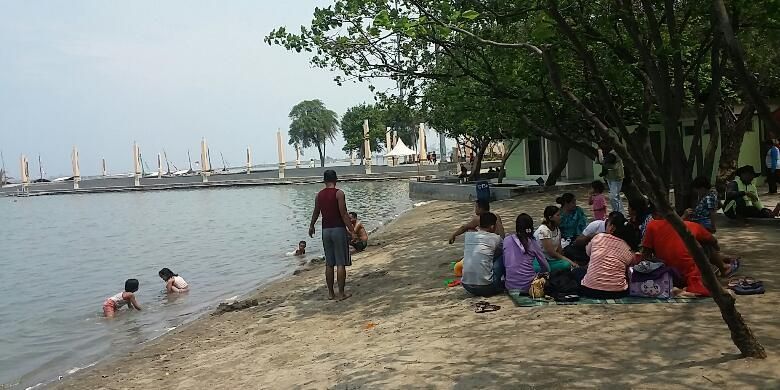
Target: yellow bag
[{"x": 537, "y": 287}]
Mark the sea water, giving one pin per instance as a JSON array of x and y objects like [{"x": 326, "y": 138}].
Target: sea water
[{"x": 62, "y": 256}]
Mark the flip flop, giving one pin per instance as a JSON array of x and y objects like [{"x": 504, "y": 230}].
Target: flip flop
[
  {"x": 747, "y": 289},
  {"x": 485, "y": 307},
  {"x": 744, "y": 280}
]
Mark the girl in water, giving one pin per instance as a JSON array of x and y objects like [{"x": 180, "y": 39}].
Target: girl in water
[
  {"x": 126, "y": 297},
  {"x": 173, "y": 282}
]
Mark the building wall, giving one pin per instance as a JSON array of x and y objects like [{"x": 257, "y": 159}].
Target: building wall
[{"x": 751, "y": 153}]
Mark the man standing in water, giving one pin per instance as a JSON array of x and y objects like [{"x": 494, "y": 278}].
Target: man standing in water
[{"x": 337, "y": 232}]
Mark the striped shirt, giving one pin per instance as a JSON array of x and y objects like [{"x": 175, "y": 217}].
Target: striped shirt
[{"x": 609, "y": 258}]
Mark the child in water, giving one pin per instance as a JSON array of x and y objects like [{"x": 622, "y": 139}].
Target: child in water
[
  {"x": 597, "y": 201},
  {"x": 126, "y": 297},
  {"x": 301, "y": 249},
  {"x": 173, "y": 282}
]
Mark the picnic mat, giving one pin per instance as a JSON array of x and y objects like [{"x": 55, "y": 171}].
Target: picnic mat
[{"x": 526, "y": 301}]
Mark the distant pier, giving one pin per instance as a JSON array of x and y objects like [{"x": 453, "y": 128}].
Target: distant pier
[{"x": 219, "y": 180}]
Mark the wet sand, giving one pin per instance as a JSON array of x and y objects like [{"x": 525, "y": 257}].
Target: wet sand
[{"x": 402, "y": 328}]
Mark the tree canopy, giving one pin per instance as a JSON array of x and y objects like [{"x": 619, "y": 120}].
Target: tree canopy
[{"x": 313, "y": 125}]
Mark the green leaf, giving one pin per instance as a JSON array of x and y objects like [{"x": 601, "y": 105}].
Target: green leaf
[{"x": 470, "y": 14}]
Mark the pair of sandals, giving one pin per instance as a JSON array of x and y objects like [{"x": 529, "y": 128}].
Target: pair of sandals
[
  {"x": 746, "y": 286},
  {"x": 485, "y": 307}
]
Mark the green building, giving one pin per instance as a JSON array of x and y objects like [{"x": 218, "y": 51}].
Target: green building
[{"x": 536, "y": 156}]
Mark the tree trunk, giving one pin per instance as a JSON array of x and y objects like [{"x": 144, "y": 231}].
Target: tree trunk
[
  {"x": 477, "y": 166},
  {"x": 711, "y": 107},
  {"x": 507, "y": 153},
  {"x": 746, "y": 78},
  {"x": 321, "y": 150},
  {"x": 741, "y": 334},
  {"x": 560, "y": 165},
  {"x": 732, "y": 133}
]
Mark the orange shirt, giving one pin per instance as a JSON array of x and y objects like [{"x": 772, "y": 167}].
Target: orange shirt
[{"x": 670, "y": 248}]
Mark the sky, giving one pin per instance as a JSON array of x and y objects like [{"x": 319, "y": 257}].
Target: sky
[{"x": 103, "y": 74}]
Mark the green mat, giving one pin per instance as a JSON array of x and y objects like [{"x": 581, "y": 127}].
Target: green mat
[{"x": 526, "y": 301}]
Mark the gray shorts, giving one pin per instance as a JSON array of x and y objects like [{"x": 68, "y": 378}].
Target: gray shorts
[{"x": 335, "y": 242}]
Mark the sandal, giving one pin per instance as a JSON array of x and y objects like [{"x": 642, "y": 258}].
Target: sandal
[
  {"x": 485, "y": 307},
  {"x": 744, "y": 280},
  {"x": 748, "y": 289}
]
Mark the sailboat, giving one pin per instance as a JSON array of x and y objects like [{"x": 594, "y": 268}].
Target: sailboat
[
  {"x": 185, "y": 172},
  {"x": 41, "y": 179}
]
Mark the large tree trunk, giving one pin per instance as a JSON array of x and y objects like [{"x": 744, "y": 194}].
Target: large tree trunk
[
  {"x": 560, "y": 165},
  {"x": 477, "y": 166},
  {"x": 732, "y": 133},
  {"x": 741, "y": 334},
  {"x": 746, "y": 78},
  {"x": 321, "y": 150}
]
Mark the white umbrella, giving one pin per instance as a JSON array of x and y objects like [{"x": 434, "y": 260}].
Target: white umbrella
[{"x": 400, "y": 150}]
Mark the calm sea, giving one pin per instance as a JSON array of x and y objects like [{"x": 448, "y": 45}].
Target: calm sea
[{"x": 62, "y": 256}]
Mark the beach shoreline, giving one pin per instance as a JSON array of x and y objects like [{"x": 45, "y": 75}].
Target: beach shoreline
[{"x": 403, "y": 328}]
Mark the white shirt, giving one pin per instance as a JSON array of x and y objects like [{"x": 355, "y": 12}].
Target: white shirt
[
  {"x": 544, "y": 233},
  {"x": 594, "y": 228},
  {"x": 478, "y": 252}
]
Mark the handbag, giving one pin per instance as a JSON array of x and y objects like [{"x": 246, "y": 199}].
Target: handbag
[{"x": 537, "y": 287}]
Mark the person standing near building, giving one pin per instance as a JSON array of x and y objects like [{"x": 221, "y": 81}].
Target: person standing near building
[
  {"x": 613, "y": 166},
  {"x": 772, "y": 163},
  {"x": 337, "y": 233}
]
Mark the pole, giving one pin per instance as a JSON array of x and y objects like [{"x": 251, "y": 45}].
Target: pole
[
  {"x": 388, "y": 145},
  {"x": 421, "y": 137},
  {"x": 190, "y": 160},
  {"x": 297, "y": 156},
  {"x": 23, "y": 170},
  {"x": 366, "y": 148},
  {"x": 136, "y": 165},
  {"x": 40, "y": 167},
  {"x": 280, "y": 152},
  {"x": 76, "y": 170},
  {"x": 204, "y": 161},
  {"x": 105, "y": 172},
  {"x": 159, "y": 166},
  {"x": 248, "y": 160}
]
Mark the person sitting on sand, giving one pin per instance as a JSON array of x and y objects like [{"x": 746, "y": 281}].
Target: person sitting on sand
[
  {"x": 611, "y": 253},
  {"x": 549, "y": 235},
  {"x": 301, "y": 248},
  {"x": 640, "y": 213},
  {"x": 173, "y": 282},
  {"x": 360, "y": 241},
  {"x": 126, "y": 297},
  {"x": 520, "y": 251},
  {"x": 483, "y": 266},
  {"x": 337, "y": 233},
  {"x": 480, "y": 207},
  {"x": 663, "y": 242},
  {"x": 573, "y": 219},
  {"x": 742, "y": 197},
  {"x": 706, "y": 206},
  {"x": 577, "y": 250}
]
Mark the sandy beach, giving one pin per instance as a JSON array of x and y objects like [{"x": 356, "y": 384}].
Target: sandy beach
[{"x": 402, "y": 328}]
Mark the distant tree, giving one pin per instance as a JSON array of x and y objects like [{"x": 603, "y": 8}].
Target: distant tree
[
  {"x": 313, "y": 125},
  {"x": 352, "y": 128}
]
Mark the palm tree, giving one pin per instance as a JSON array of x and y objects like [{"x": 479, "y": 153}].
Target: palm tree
[{"x": 313, "y": 125}]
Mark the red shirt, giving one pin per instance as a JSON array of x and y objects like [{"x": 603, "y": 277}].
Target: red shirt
[
  {"x": 329, "y": 208},
  {"x": 669, "y": 248}
]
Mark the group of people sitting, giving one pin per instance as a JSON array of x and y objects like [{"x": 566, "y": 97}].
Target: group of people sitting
[{"x": 599, "y": 253}]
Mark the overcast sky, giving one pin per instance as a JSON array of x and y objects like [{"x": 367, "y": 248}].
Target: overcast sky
[{"x": 102, "y": 74}]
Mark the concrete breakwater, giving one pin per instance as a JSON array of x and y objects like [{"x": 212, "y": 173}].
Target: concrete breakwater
[{"x": 216, "y": 180}]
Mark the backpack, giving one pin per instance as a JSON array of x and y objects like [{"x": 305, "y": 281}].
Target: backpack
[{"x": 562, "y": 283}]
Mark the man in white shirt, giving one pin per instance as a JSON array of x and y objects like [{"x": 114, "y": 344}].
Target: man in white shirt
[
  {"x": 483, "y": 265},
  {"x": 576, "y": 250}
]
